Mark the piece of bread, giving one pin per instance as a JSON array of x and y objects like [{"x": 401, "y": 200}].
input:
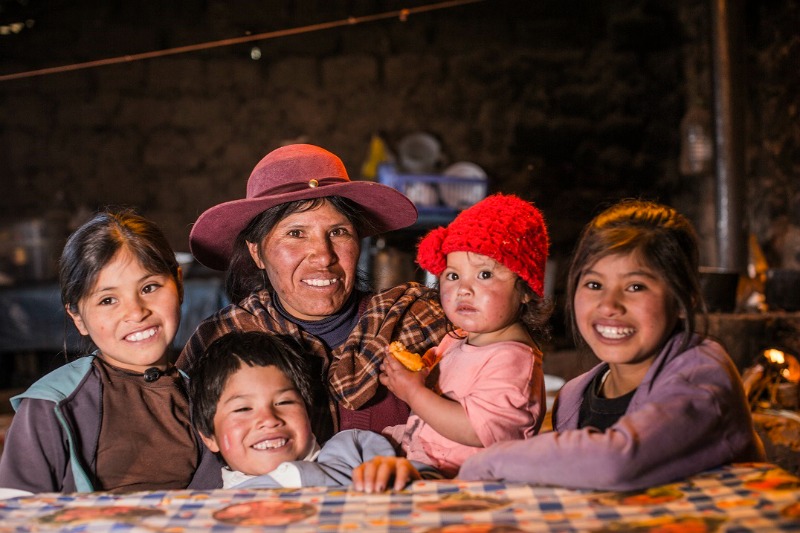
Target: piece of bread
[{"x": 410, "y": 360}]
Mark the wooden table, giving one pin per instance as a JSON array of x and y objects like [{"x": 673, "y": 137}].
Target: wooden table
[{"x": 752, "y": 497}]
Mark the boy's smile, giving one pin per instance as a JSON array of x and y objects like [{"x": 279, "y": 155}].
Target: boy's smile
[{"x": 261, "y": 421}]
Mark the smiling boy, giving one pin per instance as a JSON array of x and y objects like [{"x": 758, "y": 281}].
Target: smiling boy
[{"x": 250, "y": 394}]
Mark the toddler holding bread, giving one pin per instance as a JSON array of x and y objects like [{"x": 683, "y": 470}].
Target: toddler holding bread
[{"x": 490, "y": 265}]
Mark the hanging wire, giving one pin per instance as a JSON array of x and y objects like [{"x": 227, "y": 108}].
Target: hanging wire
[{"x": 401, "y": 14}]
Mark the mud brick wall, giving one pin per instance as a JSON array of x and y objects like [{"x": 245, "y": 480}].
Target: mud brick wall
[{"x": 571, "y": 104}]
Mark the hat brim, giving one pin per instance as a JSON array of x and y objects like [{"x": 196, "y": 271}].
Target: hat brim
[{"x": 213, "y": 235}]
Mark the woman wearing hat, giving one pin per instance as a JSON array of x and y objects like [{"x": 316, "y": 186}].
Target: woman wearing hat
[{"x": 291, "y": 248}]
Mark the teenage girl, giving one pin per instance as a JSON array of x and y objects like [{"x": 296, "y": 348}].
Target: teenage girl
[
  {"x": 490, "y": 265},
  {"x": 664, "y": 403},
  {"x": 118, "y": 418}
]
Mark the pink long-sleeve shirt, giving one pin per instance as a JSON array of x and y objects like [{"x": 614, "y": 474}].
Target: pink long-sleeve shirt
[{"x": 501, "y": 388}]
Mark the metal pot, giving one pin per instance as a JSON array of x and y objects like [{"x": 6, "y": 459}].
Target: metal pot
[
  {"x": 719, "y": 289},
  {"x": 30, "y": 250},
  {"x": 782, "y": 289}
]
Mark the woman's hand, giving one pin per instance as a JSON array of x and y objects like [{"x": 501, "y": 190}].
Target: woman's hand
[
  {"x": 398, "y": 379},
  {"x": 375, "y": 474}
]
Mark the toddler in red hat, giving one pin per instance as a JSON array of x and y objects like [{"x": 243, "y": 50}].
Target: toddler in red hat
[{"x": 490, "y": 264}]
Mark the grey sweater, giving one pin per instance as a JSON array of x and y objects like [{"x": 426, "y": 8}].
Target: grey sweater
[{"x": 336, "y": 460}]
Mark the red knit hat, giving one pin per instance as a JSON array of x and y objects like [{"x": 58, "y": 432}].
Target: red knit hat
[{"x": 504, "y": 227}]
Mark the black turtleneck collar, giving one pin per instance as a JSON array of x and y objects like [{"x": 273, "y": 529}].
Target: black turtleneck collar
[{"x": 332, "y": 330}]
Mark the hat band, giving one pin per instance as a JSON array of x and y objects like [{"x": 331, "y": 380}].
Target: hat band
[{"x": 298, "y": 186}]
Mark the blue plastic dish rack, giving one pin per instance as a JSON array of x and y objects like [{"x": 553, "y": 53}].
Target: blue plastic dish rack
[{"x": 435, "y": 194}]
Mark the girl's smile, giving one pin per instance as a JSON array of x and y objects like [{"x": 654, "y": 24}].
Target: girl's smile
[
  {"x": 624, "y": 311},
  {"x": 131, "y": 314},
  {"x": 611, "y": 332}
]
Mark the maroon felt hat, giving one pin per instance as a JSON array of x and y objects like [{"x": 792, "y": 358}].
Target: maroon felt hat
[{"x": 289, "y": 173}]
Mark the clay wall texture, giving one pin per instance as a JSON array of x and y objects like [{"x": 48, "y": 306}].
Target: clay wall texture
[{"x": 570, "y": 104}]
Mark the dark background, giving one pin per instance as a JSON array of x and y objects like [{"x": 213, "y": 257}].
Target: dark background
[{"x": 572, "y": 104}]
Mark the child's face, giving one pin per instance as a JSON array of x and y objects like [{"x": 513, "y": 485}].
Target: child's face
[
  {"x": 480, "y": 296},
  {"x": 131, "y": 314},
  {"x": 261, "y": 421},
  {"x": 624, "y": 310}
]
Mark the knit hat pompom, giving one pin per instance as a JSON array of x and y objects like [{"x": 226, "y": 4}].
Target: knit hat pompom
[
  {"x": 429, "y": 246},
  {"x": 504, "y": 227}
]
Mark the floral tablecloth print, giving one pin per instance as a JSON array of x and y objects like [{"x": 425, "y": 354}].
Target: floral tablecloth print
[{"x": 748, "y": 497}]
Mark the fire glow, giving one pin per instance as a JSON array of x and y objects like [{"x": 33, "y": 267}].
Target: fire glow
[{"x": 787, "y": 366}]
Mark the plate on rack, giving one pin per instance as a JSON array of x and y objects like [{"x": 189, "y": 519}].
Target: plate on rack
[
  {"x": 465, "y": 169},
  {"x": 419, "y": 153},
  {"x": 467, "y": 189}
]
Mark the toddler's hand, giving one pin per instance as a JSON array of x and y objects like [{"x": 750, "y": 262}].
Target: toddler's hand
[
  {"x": 375, "y": 474},
  {"x": 398, "y": 379}
]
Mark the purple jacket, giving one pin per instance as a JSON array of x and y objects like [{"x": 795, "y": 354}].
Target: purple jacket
[{"x": 688, "y": 415}]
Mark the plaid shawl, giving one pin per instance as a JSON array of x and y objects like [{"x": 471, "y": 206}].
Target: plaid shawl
[{"x": 406, "y": 313}]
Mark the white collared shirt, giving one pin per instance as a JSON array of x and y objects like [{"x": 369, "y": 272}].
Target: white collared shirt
[{"x": 286, "y": 474}]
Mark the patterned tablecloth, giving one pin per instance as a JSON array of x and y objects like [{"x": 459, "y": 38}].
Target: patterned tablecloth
[{"x": 753, "y": 497}]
